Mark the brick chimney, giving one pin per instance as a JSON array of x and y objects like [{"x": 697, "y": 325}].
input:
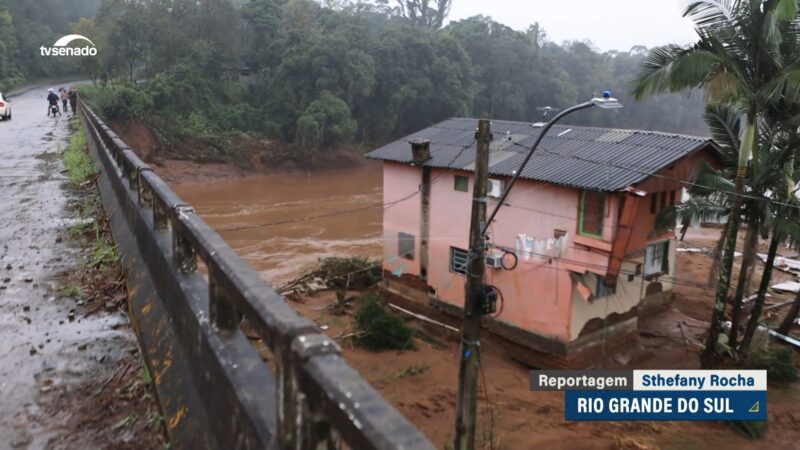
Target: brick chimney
[{"x": 420, "y": 151}]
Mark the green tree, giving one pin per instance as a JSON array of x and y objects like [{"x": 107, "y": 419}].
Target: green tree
[
  {"x": 426, "y": 13},
  {"x": 9, "y": 73},
  {"x": 326, "y": 122}
]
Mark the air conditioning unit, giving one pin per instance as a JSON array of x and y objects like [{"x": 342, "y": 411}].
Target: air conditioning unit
[
  {"x": 494, "y": 260},
  {"x": 495, "y": 188}
]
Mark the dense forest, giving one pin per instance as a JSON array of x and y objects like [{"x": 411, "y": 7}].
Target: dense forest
[
  {"x": 325, "y": 75},
  {"x": 26, "y": 25}
]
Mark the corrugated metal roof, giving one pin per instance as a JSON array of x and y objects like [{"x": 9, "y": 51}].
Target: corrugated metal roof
[{"x": 584, "y": 157}]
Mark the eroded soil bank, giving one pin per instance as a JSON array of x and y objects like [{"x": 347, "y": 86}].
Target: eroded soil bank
[
  {"x": 193, "y": 160},
  {"x": 67, "y": 378}
]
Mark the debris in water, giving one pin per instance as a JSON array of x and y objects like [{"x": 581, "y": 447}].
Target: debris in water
[
  {"x": 785, "y": 264},
  {"x": 789, "y": 286}
]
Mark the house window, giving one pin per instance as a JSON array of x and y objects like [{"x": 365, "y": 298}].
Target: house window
[
  {"x": 601, "y": 290},
  {"x": 405, "y": 245},
  {"x": 462, "y": 183},
  {"x": 656, "y": 259},
  {"x": 458, "y": 261},
  {"x": 653, "y": 205},
  {"x": 592, "y": 210}
]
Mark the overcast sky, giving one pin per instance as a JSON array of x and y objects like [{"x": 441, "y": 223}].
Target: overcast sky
[{"x": 609, "y": 24}]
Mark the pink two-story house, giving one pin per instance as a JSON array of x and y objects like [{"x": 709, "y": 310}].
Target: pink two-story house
[{"x": 575, "y": 252}]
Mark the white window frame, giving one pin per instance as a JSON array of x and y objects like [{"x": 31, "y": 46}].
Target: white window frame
[
  {"x": 409, "y": 241},
  {"x": 656, "y": 259},
  {"x": 458, "y": 260}
]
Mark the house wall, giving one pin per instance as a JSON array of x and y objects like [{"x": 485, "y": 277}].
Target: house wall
[
  {"x": 628, "y": 294},
  {"x": 542, "y": 294},
  {"x": 540, "y": 285},
  {"x": 400, "y": 181}
]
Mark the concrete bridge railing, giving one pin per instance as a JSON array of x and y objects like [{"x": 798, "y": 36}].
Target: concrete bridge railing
[{"x": 214, "y": 388}]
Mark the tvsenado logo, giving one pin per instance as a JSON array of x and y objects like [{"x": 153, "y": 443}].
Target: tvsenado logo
[{"x": 60, "y": 47}]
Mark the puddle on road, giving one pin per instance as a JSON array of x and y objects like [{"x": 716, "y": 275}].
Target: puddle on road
[{"x": 269, "y": 213}]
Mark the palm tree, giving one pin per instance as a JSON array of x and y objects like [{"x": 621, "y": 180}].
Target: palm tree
[
  {"x": 766, "y": 206},
  {"x": 737, "y": 60},
  {"x": 786, "y": 227},
  {"x": 710, "y": 185}
]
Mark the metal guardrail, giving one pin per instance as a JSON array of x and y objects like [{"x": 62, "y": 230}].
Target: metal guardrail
[{"x": 313, "y": 400}]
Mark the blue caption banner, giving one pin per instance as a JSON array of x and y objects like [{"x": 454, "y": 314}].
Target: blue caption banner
[{"x": 665, "y": 405}]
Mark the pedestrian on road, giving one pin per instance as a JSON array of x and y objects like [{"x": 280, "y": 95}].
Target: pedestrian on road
[
  {"x": 64, "y": 99},
  {"x": 52, "y": 99},
  {"x": 73, "y": 98}
]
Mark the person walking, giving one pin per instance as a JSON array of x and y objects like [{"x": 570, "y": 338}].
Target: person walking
[
  {"x": 73, "y": 98},
  {"x": 64, "y": 99}
]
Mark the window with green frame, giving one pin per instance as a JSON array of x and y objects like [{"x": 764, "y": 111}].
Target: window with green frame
[
  {"x": 461, "y": 183},
  {"x": 591, "y": 213}
]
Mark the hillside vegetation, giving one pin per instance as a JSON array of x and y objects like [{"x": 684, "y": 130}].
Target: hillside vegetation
[
  {"x": 345, "y": 74},
  {"x": 27, "y": 25}
]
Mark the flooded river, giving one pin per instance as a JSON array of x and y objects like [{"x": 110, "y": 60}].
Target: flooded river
[{"x": 282, "y": 224}]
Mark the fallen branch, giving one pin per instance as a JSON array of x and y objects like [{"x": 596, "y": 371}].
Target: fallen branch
[{"x": 424, "y": 318}]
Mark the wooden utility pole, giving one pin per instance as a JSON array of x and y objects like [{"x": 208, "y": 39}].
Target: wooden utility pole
[{"x": 466, "y": 405}]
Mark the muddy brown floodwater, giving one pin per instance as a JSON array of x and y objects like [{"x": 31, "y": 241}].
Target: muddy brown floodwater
[{"x": 282, "y": 224}]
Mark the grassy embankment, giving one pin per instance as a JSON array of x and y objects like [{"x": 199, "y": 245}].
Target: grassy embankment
[{"x": 97, "y": 283}]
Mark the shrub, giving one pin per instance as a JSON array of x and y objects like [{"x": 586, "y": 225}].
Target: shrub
[
  {"x": 122, "y": 102},
  {"x": 777, "y": 361},
  {"x": 381, "y": 330},
  {"x": 749, "y": 429}
]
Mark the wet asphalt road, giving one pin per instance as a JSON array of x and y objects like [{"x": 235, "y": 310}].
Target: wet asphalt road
[{"x": 42, "y": 351}]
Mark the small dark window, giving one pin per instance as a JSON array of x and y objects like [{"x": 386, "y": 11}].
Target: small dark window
[
  {"x": 653, "y": 206},
  {"x": 462, "y": 183},
  {"x": 638, "y": 269},
  {"x": 630, "y": 277},
  {"x": 405, "y": 245},
  {"x": 656, "y": 259},
  {"x": 592, "y": 210},
  {"x": 458, "y": 261},
  {"x": 601, "y": 290}
]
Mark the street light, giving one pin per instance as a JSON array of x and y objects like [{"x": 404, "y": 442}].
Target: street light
[{"x": 604, "y": 102}]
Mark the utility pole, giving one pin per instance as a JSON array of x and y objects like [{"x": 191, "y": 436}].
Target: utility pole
[{"x": 466, "y": 405}]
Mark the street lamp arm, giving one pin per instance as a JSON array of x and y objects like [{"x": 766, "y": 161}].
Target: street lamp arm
[{"x": 547, "y": 126}]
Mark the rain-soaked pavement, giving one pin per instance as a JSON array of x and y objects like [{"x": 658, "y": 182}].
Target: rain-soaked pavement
[{"x": 47, "y": 346}]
